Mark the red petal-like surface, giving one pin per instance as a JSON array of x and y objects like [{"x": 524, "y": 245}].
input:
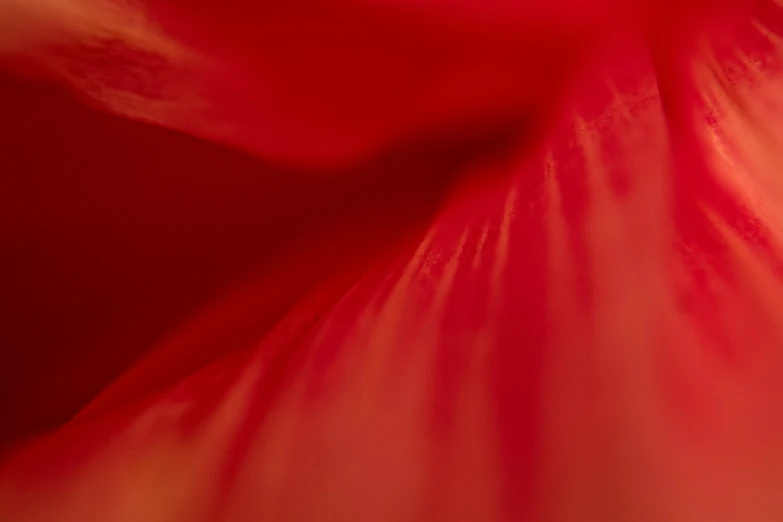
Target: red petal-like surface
[{"x": 478, "y": 263}]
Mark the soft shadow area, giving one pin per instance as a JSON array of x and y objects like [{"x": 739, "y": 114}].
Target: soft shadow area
[{"x": 115, "y": 232}]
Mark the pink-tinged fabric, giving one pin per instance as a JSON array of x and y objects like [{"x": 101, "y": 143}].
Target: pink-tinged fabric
[{"x": 364, "y": 260}]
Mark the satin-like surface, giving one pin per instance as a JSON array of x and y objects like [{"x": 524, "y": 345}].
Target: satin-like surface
[{"x": 474, "y": 261}]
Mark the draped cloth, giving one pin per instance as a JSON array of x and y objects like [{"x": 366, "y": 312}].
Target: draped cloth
[{"x": 375, "y": 260}]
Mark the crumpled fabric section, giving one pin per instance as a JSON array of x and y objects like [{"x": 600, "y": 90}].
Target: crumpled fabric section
[{"x": 418, "y": 260}]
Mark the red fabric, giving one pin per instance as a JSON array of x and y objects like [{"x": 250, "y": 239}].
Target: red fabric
[{"x": 373, "y": 260}]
